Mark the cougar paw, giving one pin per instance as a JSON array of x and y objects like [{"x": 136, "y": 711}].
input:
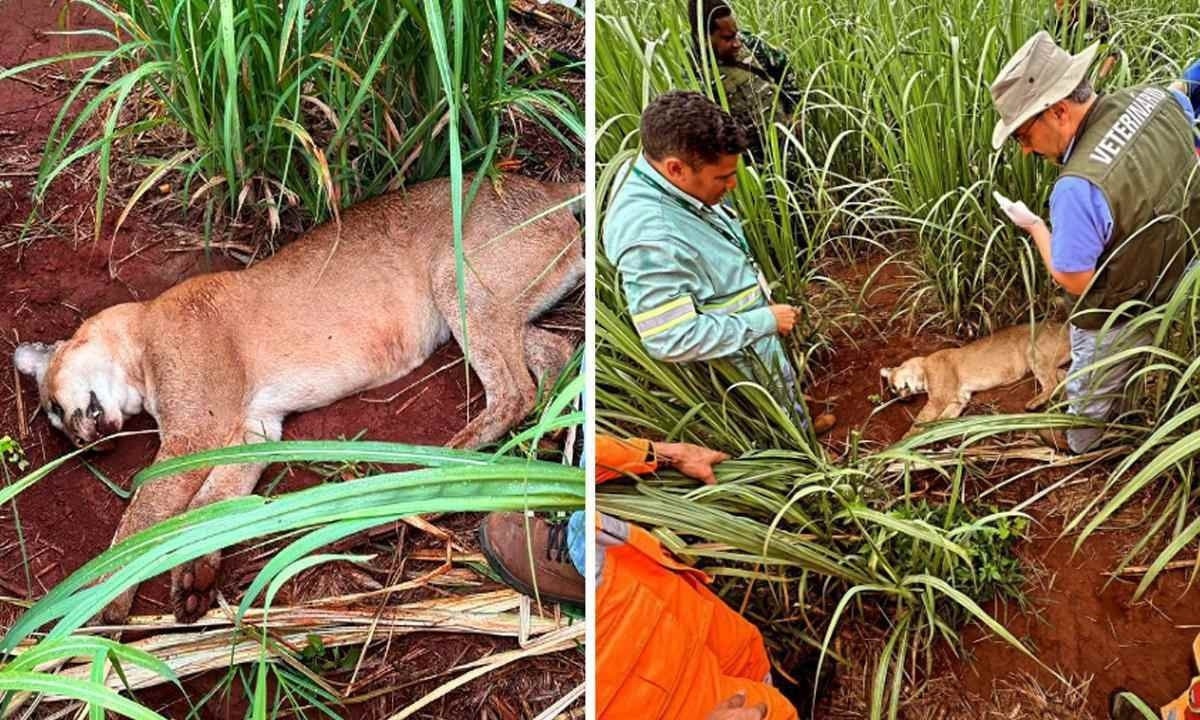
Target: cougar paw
[
  {"x": 194, "y": 588},
  {"x": 1037, "y": 402},
  {"x": 465, "y": 439},
  {"x": 116, "y": 612}
]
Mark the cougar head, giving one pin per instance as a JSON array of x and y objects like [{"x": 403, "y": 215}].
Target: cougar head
[
  {"x": 907, "y": 379},
  {"x": 81, "y": 387}
]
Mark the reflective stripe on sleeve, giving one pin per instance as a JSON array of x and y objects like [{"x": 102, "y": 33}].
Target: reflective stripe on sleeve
[
  {"x": 665, "y": 316},
  {"x": 739, "y": 302}
]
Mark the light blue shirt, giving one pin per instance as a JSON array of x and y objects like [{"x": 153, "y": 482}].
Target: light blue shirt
[{"x": 691, "y": 290}]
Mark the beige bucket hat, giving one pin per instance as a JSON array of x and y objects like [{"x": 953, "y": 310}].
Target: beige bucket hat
[{"x": 1038, "y": 75}]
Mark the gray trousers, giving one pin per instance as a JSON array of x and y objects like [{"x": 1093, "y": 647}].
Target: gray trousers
[{"x": 1096, "y": 393}]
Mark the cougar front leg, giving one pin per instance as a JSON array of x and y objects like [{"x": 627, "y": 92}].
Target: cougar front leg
[
  {"x": 955, "y": 408},
  {"x": 152, "y": 503},
  {"x": 194, "y": 584},
  {"x": 933, "y": 409},
  {"x": 939, "y": 407}
]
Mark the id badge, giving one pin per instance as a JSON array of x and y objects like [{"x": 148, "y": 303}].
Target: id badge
[{"x": 762, "y": 284}]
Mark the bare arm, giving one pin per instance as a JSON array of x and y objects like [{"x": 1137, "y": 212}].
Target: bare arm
[{"x": 1073, "y": 282}]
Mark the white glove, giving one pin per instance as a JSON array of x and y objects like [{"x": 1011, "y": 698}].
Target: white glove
[{"x": 1021, "y": 215}]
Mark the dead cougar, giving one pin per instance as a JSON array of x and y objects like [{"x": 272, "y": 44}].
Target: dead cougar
[
  {"x": 951, "y": 376},
  {"x": 221, "y": 359}
]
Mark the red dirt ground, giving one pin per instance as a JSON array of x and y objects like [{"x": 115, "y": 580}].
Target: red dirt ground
[
  {"x": 48, "y": 286},
  {"x": 1074, "y": 624}
]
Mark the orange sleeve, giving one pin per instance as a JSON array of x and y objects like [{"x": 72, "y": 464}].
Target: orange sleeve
[{"x": 616, "y": 458}]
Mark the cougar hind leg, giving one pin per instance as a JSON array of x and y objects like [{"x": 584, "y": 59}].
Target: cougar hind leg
[
  {"x": 546, "y": 354},
  {"x": 512, "y": 279},
  {"x": 498, "y": 358},
  {"x": 1048, "y": 376}
]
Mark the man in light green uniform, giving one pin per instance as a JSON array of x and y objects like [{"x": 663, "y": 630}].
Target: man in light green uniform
[{"x": 692, "y": 286}]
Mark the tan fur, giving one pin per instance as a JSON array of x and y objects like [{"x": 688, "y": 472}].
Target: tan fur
[
  {"x": 950, "y": 377},
  {"x": 221, "y": 358}
]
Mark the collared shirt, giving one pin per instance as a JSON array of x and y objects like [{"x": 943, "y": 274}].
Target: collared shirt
[
  {"x": 687, "y": 276},
  {"x": 1191, "y": 81}
]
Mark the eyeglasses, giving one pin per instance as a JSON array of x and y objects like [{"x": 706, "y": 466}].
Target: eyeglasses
[{"x": 1021, "y": 134}]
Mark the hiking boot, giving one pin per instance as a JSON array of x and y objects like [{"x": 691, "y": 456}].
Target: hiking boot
[
  {"x": 823, "y": 423},
  {"x": 1054, "y": 438},
  {"x": 507, "y": 545}
]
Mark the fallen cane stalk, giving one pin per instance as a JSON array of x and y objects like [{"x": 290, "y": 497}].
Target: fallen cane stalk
[
  {"x": 216, "y": 643},
  {"x": 561, "y": 705},
  {"x": 1139, "y": 570}
]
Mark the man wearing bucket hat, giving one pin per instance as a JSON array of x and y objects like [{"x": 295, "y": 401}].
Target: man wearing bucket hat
[{"x": 1122, "y": 209}]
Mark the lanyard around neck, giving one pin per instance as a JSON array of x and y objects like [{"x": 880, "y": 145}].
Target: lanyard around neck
[{"x": 724, "y": 230}]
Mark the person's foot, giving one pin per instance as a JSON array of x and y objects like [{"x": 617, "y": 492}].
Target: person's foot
[
  {"x": 1054, "y": 438},
  {"x": 823, "y": 423},
  {"x": 508, "y": 546}
]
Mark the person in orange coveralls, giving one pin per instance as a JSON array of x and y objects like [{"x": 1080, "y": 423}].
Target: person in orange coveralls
[{"x": 667, "y": 648}]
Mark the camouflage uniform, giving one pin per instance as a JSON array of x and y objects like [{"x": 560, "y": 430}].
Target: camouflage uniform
[
  {"x": 1075, "y": 27},
  {"x": 1067, "y": 24},
  {"x": 751, "y": 83}
]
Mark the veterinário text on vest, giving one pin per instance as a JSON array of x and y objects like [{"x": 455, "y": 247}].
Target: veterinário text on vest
[{"x": 1127, "y": 124}]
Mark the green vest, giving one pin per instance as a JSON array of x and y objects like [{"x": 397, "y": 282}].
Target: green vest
[{"x": 1136, "y": 145}]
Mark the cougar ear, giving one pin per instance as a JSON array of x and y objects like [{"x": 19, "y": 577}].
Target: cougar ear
[{"x": 32, "y": 359}]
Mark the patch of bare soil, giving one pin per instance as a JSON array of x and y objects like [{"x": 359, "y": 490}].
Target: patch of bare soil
[
  {"x": 1076, "y": 618},
  {"x": 58, "y": 276}
]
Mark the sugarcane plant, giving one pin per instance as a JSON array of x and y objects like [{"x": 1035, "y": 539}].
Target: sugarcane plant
[
  {"x": 254, "y": 107},
  {"x": 888, "y": 155}
]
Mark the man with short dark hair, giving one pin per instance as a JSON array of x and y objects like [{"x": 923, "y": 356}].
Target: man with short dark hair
[
  {"x": 759, "y": 86},
  {"x": 1124, "y": 208},
  {"x": 692, "y": 285}
]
